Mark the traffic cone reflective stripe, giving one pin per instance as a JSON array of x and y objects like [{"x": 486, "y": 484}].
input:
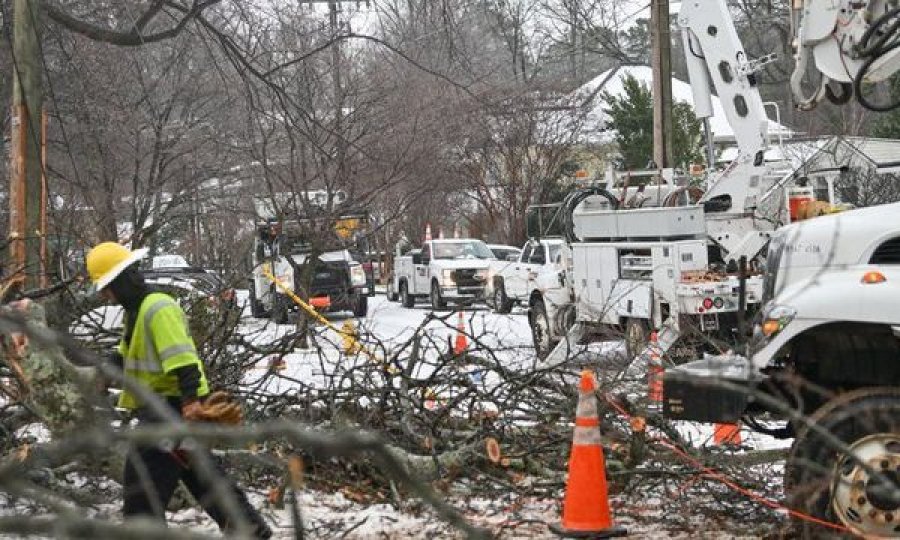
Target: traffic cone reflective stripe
[
  {"x": 586, "y": 506},
  {"x": 427, "y": 232},
  {"x": 461, "y": 343},
  {"x": 727, "y": 434}
]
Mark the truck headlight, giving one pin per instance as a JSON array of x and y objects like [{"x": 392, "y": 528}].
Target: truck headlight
[
  {"x": 775, "y": 319},
  {"x": 357, "y": 275},
  {"x": 447, "y": 278}
]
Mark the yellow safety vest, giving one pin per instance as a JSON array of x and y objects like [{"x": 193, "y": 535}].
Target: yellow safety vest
[{"x": 159, "y": 344}]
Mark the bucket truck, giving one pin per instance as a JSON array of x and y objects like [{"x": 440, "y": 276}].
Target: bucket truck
[
  {"x": 823, "y": 361},
  {"x": 682, "y": 265}
]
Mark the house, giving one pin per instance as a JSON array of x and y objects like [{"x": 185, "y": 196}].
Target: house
[{"x": 861, "y": 171}]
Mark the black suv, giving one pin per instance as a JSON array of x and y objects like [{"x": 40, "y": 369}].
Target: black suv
[{"x": 338, "y": 283}]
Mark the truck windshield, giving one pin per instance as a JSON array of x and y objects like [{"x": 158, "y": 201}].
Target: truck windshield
[{"x": 474, "y": 249}]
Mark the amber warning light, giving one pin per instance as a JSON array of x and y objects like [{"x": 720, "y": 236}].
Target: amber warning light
[{"x": 874, "y": 277}]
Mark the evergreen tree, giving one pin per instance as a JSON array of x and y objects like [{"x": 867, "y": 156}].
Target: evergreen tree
[{"x": 631, "y": 115}]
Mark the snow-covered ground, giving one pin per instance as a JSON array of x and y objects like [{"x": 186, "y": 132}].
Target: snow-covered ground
[{"x": 388, "y": 326}]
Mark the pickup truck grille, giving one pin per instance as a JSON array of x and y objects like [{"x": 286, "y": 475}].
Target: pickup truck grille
[{"x": 467, "y": 277}]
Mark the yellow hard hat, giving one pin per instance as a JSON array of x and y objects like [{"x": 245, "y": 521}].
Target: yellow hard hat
[{"x": 107, "y": 260}]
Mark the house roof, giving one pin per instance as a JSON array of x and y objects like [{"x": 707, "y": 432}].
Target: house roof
[
  {"x": 831, "y": 153},
  {"x": 796, "y": 151},
  {"x": 884, "y": 154},
  {"x": 612, "y": 82}
]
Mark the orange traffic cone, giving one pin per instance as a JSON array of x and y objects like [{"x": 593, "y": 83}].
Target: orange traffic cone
[
  {"x": 654, "y": 373},
  {"x": 727, "y": 434},
  {"x": 586, "y": 505},
  {"x": 461, "y": 343},
  {"x": 427, "y": 232}
]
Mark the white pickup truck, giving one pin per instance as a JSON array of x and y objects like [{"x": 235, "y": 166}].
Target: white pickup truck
[
  {"x": 443, "y": 270},
  {"x": 512, "y": 281}
]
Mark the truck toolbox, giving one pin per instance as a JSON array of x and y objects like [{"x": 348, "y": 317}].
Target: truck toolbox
[
  {"x": 701, "y": 400},
  {"x": 680, "y": 221},
  {"x": 711, "y": 390}
]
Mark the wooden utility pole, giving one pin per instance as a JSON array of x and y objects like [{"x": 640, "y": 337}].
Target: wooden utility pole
[
  {"x": 661, "y": 62},
  {"x": 336, "y": 67},
  {"x": 27, "y": 191}
]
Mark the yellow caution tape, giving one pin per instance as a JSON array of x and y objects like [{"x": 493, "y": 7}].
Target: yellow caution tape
[{"x": 348, "y": 336}]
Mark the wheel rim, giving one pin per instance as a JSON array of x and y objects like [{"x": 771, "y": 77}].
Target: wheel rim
[
  {"x": 541, "y": 331},
  {"x": 863, "y": 503},
  {"x": 634, "y": 337}
]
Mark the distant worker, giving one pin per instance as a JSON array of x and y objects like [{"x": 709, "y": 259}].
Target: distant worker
[{"x": 157, "y": 351}]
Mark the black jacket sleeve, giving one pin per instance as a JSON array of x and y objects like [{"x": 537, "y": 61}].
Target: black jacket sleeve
[{"x": 188, "y": 381}]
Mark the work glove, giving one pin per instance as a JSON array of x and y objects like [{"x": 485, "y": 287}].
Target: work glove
[{"x": 218, "y": 408}]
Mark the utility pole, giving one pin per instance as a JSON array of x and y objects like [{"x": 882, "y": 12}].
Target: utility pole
[
  {"x": 340, "y": 142},
  {"x": 661, "y": 62},
  {"x": 27, "y": 192},
  {"x": 336, "y": 66}
]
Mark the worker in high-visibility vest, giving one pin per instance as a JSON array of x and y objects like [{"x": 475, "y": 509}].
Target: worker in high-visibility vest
[{"x": 157, "y": 351}]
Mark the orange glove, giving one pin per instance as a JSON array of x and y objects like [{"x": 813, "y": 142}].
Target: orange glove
[{"x": 218, "y": 408}]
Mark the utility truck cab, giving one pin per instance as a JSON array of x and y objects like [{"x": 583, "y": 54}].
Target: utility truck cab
[
  {"x": 443, "y": 270},
  {"x": 512, "y": 281}
]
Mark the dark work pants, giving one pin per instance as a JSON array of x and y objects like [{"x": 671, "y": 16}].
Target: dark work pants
[{"x": 152, "y": 474}]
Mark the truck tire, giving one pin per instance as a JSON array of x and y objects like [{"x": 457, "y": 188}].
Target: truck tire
[
  {"x": 637, "y": 335},
  {"x": 280, "y": 309},
  {"x": 437, "y": 301},
  {"x": 823, "y": 482},
  {"x": 361, "y": 306},
  {"x": 502, "y": 303},
  {"x": 541, "y": 336},
  {"x": 406, "y": 299},
  {"x": 391, "y": 294},
  {"x": 256, "y": 307}
]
